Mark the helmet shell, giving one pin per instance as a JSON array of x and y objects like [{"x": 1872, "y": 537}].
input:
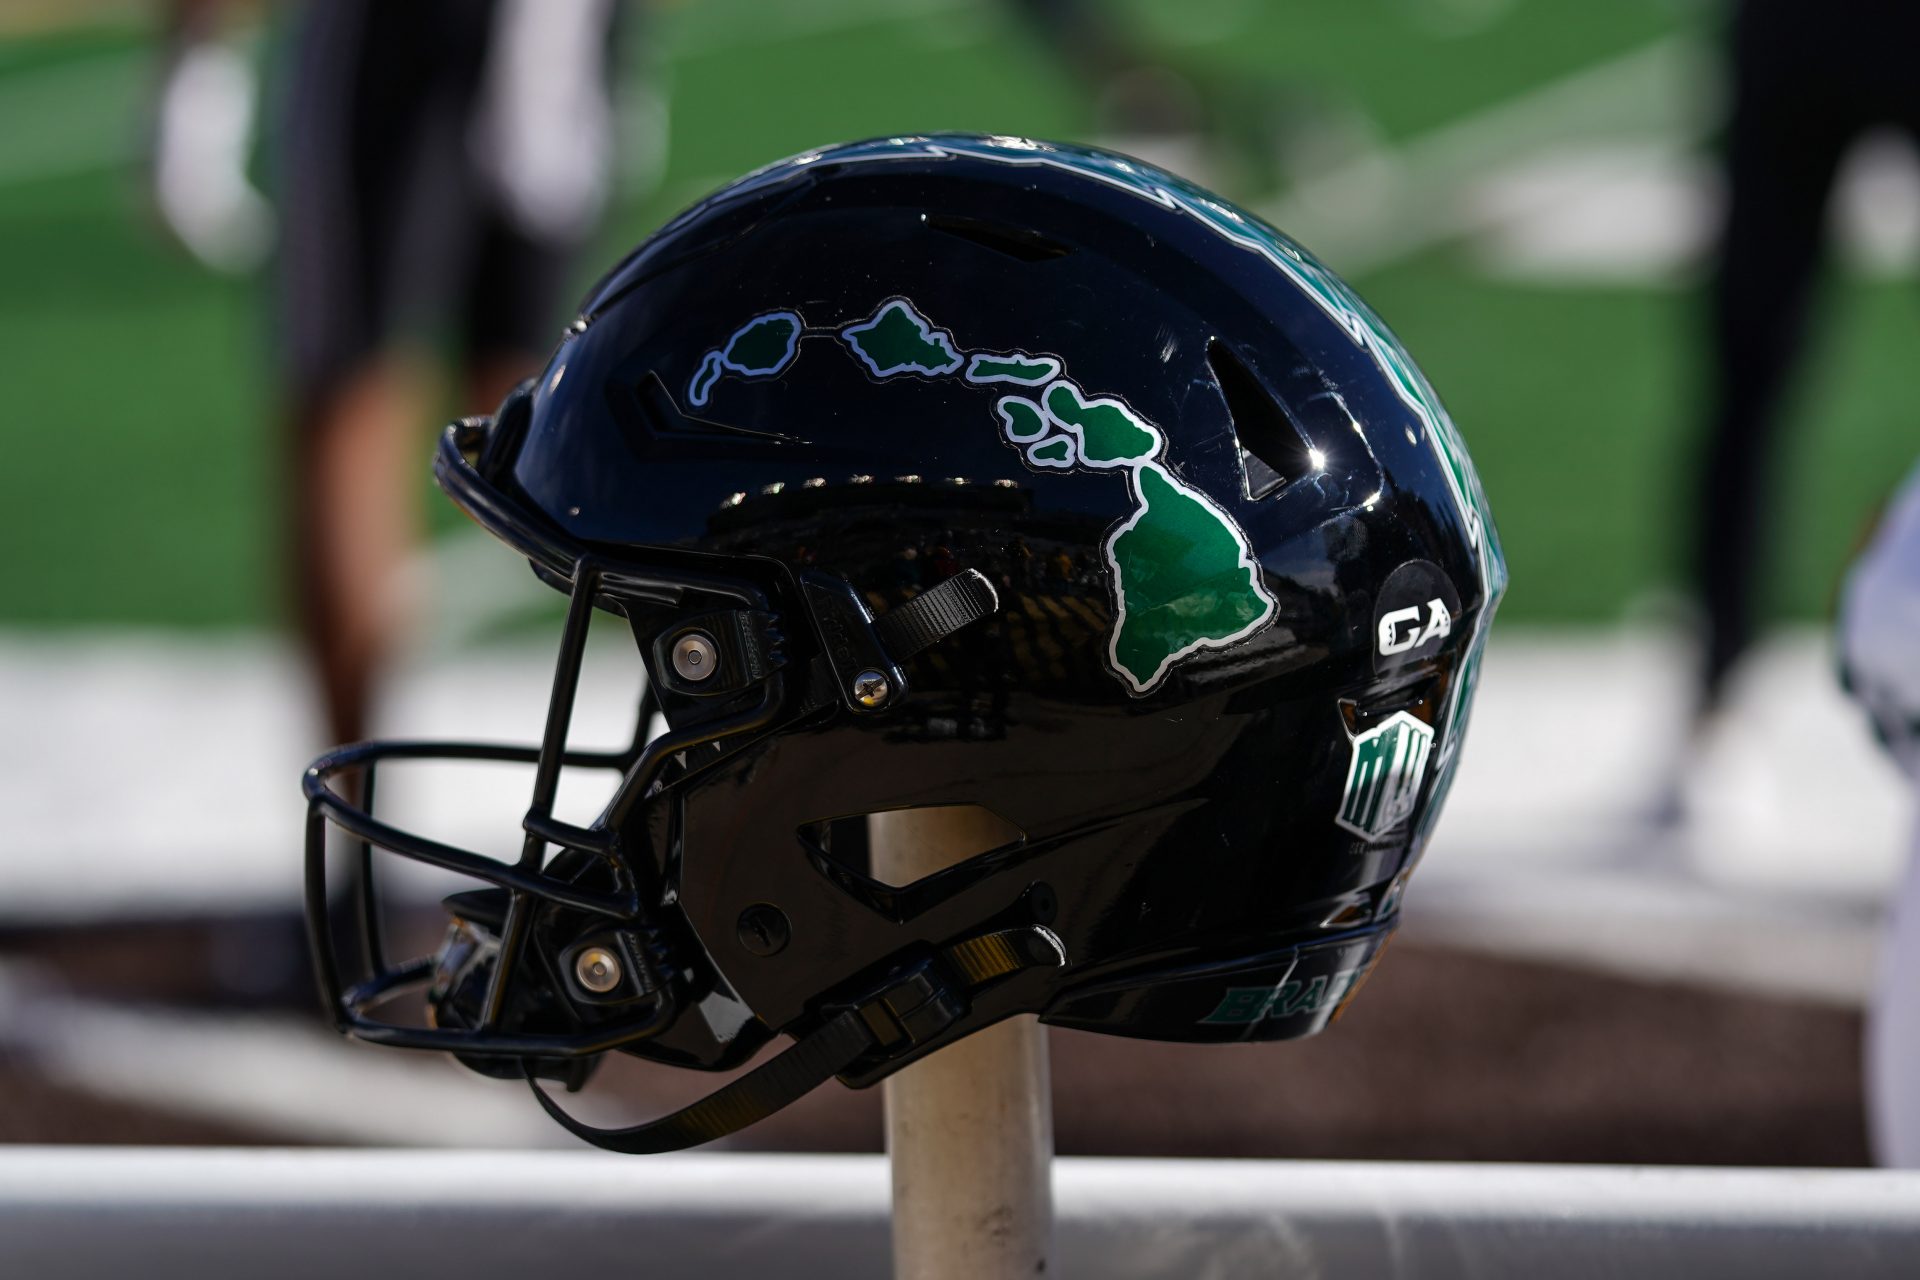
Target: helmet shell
[{"x": 1245, "y": 568}]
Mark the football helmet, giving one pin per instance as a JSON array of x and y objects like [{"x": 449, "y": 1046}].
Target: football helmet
[{"x": 950, "y": 471}]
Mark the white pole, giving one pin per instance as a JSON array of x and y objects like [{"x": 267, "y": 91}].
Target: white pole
[{"x": 970, "y": 1128}]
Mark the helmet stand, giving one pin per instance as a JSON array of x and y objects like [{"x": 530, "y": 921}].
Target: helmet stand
[{"x": 969, "y": 1129}]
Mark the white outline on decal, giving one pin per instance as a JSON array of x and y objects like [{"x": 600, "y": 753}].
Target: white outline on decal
[
  {"x": 1007, "y": 432},
  {"x": 712, "y": 368},
  {"x": 1246, "y": 561},
  {"x": 1052, "y": 364},
  {"x": 938, "y": 337},
  {"x": 698, "y": 397},
  {"x": 1101, "y": 402},
  {"x": 1032, "y": 453}
]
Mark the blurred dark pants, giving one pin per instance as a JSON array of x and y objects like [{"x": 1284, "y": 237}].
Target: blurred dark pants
[
  {"x": 1808, "y": 79},
  {"x": 388, "y": 220}
]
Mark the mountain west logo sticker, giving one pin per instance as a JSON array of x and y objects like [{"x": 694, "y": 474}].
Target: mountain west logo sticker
[
  {"x": 1383, "y": 778},
  {"x": 1182, "y": 574}
]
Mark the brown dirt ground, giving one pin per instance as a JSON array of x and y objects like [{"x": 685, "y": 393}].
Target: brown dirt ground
[{"x": 1446, "y": 1055}]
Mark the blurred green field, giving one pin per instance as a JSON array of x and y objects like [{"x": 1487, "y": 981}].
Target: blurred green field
[{"x": 138, "y": 481}]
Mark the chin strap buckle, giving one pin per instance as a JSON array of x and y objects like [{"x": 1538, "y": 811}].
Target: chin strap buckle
[
  {"x": 920, "y": 1003},
  {"x": 914, "y": 1005},
  {"x": 912, "y": 1009}
]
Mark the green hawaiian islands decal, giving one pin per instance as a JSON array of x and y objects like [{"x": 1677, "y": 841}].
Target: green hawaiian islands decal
[
  {"x": 1244, "y": 231},
  {"x": 1054, "y": 452},
  {"x": 1015, "y": 366},
  {"x": 1184, "y": 578},
  {"x": 760, "y": 348},
  {"x": 1182, "y": 575},
  {"x": 1109, "y": 433},
  {"x": 1022, "y": 421},
  {"x": 900, "y": 340}
]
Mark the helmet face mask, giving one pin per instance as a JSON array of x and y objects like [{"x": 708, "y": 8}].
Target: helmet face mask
[{"x": 953, "y": 471}]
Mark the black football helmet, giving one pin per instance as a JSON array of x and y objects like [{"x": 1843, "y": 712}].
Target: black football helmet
[{"x": 936, "y": 471}]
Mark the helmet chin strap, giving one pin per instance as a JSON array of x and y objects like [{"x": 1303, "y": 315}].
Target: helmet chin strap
[{"x": 912, "y": 1006}]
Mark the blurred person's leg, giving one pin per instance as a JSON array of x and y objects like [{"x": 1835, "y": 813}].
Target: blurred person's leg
[
  {"x": 363, "y": 90},
  {"x": 407, "y": 212},
  {"x": 356, "y": 463},
  {"x": 540, "y": 134},
  {"x": 1793, "y": 116}
]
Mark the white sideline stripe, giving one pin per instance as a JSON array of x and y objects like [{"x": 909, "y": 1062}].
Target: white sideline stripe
[
  {"x": 1645, "y": 213},
  {"x": 158, "y": 775},
  {"x": 1798, "y": 826},
  {"x": 1661, "y": 926},
  {"x": 1395, "y": 201},
  {"x": 282, "y": 1075}
]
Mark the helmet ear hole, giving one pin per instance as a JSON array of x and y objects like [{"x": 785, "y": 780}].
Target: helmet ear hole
[
  {"x": 961, "y": 832},
  {"x": 1273, "y": 450}
]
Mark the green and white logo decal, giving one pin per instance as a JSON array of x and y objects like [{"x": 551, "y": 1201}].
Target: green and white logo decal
[
  {"x": 1183, "y": 577},
  {"x": 1384, "y": 775},
  {"x": 1241, "y": 1006}
]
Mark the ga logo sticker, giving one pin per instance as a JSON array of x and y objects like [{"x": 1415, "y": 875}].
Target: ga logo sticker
[
  {"x": 1414, "y": 626},
  {"x": 1383, "y": 778},
  {"x": 1413, "y": 615}
]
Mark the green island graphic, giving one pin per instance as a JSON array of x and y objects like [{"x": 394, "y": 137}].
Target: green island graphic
[
  {"x": 1185, "y": 575},
  {"x": 900, "y": 340},
  {"x": 1184, "y": 578},
  {"x": 1017, "y": 366},
  {"x": 1109, "y": 433},
  {"x": 760, "y": 348}
]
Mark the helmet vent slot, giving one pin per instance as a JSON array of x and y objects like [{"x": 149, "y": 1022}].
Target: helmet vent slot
[
  {"x": 1273, "y": 450},
  {"x": 1015, "y": 242},
  {"x": 960, "y": 831}
]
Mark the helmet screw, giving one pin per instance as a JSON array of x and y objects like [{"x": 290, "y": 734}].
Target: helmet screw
[
  {"x": 597, "y": 969},
  {"x": 694, "y": 657},
  {"x": 764, "y": 929},
  {"x": 871, "y": 688}
]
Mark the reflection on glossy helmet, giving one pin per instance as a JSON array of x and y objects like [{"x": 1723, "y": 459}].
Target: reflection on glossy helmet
[{"x": 942, "y": 471}]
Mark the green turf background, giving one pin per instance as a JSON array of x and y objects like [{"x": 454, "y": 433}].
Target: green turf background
[{"x": 137, "y": 480}]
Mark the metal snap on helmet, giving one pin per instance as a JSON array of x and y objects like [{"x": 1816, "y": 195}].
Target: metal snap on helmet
[{"x": 952, "y": 471}]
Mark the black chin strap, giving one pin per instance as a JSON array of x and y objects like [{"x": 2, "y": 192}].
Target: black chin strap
[{"x": 912, "y": 1007}]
